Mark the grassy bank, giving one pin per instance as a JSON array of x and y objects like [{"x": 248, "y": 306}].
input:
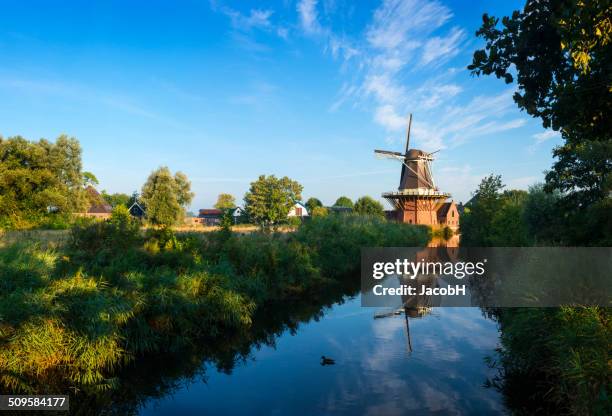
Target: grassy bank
[
  {"x": 72, "y": 316},
  {"x": 564, "y": 353}
]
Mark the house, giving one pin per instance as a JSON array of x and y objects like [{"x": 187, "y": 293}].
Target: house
[
  {"x": 98, "y": 207},
  {"x": 238, "y": 214},
  {"x": 447, "y": 214},
  {"x": 298, "y": 210},
  {"x": 210, "y": 217},
  {"x": 136, "y": 210}
]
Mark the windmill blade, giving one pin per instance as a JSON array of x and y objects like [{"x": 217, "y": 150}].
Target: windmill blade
[
  {"x": 408, "y": 134},
  {"x": 388, "y": 153},
  {"x": 435, "y": 152}
]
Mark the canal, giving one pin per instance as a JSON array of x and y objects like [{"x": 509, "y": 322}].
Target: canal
[{"x": 433, "y": 364}]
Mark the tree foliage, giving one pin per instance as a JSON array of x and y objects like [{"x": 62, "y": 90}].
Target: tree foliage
[
  {"x": 90, "y": 179},
  {"x": 166, "y": 196},
  {"x": 319, "y": 212},
  {"x": 225, "y": 201},
  {"x": 368, "y": 206},
  {"x": 560, "y": 53},
  {"x": 480, "y": 212},
  {"x": 312, "y": 203},
  {"x": 116, "y": 199},
  {"x": 344, "y": 201},
  {"x": 38, "y": 177},
  {"x": 270, "y": 199}
]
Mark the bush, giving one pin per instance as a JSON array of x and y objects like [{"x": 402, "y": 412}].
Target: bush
[
  {"x": 337, "y": 239},
  {"x": 319, "y": 212},
  {"x": 73, "y": 318},
  {"x": 101, "y": 238},
  {"x": 368, "y": 206},
  {"x": 564, "y": 351}
]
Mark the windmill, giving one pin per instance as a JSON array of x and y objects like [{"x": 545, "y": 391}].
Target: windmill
[{"x": 417, "y": 197}]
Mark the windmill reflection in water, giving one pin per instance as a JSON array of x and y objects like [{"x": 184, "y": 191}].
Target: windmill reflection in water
[{"x": 420, "y": 305}]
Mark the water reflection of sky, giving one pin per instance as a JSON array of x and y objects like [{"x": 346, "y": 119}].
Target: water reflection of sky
[{"x": 375, "y": 373}]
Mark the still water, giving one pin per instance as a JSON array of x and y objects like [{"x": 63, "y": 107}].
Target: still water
[{"x": 434, "y": 364}]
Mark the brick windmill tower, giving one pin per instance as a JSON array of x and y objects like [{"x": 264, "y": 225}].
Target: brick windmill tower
[{"x": 418, "y": 200}]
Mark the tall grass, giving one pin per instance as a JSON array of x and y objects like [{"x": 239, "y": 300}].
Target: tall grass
[
  {"x": 563, "y": 352},
  {"x": 74, "y": 316}
]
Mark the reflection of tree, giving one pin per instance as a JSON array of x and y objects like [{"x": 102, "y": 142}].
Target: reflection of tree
[{"x": 157, "y": 376}]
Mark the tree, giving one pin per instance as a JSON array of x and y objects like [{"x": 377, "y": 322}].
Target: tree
[
  {"x": 38, "y": 177},
  {"x": 561, "y": 53},
  {"x": 225, "y": 201},
  {"x": 480, "y": 211},
  {"x": 312, "y": 203},
  {"x": 319, "y": 212},
  {"x": 270, "y": 199},
  {"x": 134, "y": 198},
  {"x": 89, "y": 179},
  {"x": 116, "y": 199},
  {"x": 166, "y": 197},
  {"x": 368, "y": 206},
  {"x": 344, "y": 201},
  {"x": 226, "y": 222},
  {"x": 541, "y": 214}
]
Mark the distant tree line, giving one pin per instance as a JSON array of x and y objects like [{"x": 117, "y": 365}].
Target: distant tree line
[
  {"x": 43, "y": 182},
  {"x": 38, "y": 178}
]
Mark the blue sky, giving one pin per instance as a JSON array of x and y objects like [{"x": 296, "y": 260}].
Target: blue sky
[{"x": 228, "y": 91}]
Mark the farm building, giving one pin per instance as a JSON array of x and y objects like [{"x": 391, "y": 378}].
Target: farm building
[
  {"x": 136, "y": 210},
  {"x": 98, "y": 207},
  {"x": 210, "y": 217},
  {"x": 298, "y": 210}
]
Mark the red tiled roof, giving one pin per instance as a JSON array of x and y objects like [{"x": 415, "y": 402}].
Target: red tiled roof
[
  {"x": 98, "y": 204},
  {"x": 100, "y": 209},
  {"x": 210, "y": 212},
  {"x": 443, "y": 209}
]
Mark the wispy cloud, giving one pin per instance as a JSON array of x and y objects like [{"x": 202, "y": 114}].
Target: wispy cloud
[
  {"x": 391, "y": 73},
  {"x": 258, "y": 95},
  {"x": 244, "y": 24},
  {"x": 118, "y": 101},
  {"x": 540, "y": 138},
  {"x": 440, "y": 49},
  {"x": 546, "y": 135},
  {"x": 309, "y": 19},
  {"x": 255, "y": 19},
  {"x": 396, "y": 22}
]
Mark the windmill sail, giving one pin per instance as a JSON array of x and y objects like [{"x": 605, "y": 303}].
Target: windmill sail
[{"x": 404, "y": 176}]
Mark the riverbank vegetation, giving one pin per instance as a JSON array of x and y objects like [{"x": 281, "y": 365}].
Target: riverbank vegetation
[
  {"x": 559, "y": 54},
  {"x": 73, "y": 316},
  {"x": 564, "y": 352}
]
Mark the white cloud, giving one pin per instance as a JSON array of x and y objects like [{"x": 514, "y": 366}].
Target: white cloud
[
  {"x": 440, "y": 49},
  {"x": 243, "y": 24},
  {"x": 256, "y": 19},
  {"x": 387, "y": 117},
  {"x": 390, "y": 74},
  {"x": 341, "y": 46},
  {"x": 436, "y": 95},
  {"x": 541, "y": 138},
  {"x": 546, "y": 135},
  {"x": 383, "y": 88},
  {"x": 282, "y": 32},
  {"x": 309, "y": 19},
  {"x": 396, "y": 21}
]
